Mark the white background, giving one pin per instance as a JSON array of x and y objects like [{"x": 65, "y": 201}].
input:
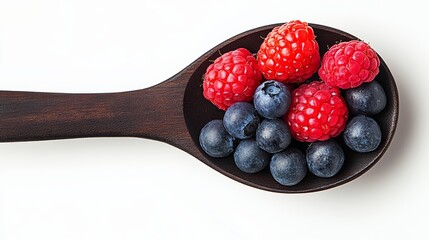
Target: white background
[{"x": 126, "y": 188}]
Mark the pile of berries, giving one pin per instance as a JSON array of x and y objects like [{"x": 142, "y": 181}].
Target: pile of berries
[{"x": 274, "y": 99}]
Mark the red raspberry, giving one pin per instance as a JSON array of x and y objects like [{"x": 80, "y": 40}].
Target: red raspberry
[
  {"x": 233, "y": 77},
  {"x": 289, "y": 53},
  {"x": 317, "y": 112},
  {"x": 349, "y": 64}
]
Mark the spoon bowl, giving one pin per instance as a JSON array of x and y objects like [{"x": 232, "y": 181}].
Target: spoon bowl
[{"x": 175, "y": 111}]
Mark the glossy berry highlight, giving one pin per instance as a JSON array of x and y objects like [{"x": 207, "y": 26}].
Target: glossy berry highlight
[
  {"x": 367, "y": 99},
  {"x": 232, "y": 77},
  {"x": 273, "y": 135},
  {"x": 241, "y": 120},
  {"x": 249, "y": 158},
  {"x": 288, "y": 167},
  {"x": 362, "y": 134},
  {"x": 215, "y": 140},
  {"x": 325, "y": 159},
  {"x": 289, "y": 53},
  {"x": 349, "y": 64},
  {"x": 318, "y": 112},
  {"x": 272, "y": 99}
]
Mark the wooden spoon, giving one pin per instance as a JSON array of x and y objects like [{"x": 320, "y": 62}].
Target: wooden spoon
[{"x": 173, "y": 112}]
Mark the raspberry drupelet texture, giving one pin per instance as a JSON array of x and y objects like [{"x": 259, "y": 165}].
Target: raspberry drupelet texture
[
  {"x": 232, "y": 77},
  {"x": 317, "y": 112},
  {"x": 289, "y": 53},
  {"x": 349, "y": 64}
]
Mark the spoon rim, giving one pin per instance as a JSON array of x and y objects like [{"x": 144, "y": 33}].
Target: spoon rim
[{"x": 392, "y": 120}]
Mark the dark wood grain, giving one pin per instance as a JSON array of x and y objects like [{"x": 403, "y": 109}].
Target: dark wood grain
[
  {"x": 29, "y": 116},
  {"x": 174, "y": 112}
]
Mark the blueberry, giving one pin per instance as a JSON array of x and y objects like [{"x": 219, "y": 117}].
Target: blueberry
[
  {"x": 241, "y": 120},
  {"x": 215, "y": 140},
  {"x": 325, "y": 159},
  {"x": 272, "y": 99},
  {"x": 367, "y": 99},
  {"x": 249, "y": 157},
  {"x": 288, "y": 167},
  {"x": 273, "y": 135},
  {"x": 362, "y": 134}
]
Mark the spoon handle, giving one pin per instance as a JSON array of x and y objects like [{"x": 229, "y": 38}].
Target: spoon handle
[{"x": 147, "y": 113}]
